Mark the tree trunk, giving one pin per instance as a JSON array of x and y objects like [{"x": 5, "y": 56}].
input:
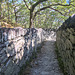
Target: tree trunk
[
  {"x": 0, "y": 9},
  {"x": 15, "y": 15},
  {"x": 31, "y": 19},
  {"x": 8, "y": 13},
  {"x": 11, "y": 17},
  {"x": 8, "y": 10}
]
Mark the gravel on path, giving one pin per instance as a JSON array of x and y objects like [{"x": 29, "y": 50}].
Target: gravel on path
[{"x": 46, "y": 62}]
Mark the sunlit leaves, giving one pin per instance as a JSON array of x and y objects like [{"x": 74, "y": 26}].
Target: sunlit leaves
[{"x": 44, "y": 18}]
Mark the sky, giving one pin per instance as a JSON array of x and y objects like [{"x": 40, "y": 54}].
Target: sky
[
  {"x": 67, "y": 1},
  {"x": 17, "y": 0}
]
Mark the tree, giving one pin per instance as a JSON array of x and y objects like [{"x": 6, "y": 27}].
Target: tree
[
  {"x": 41, "y": 13},
  {"x": 32, "y": 10},
  {"x": 0, "y": 7},
  {"x": 8, "y": 9},
  {"x": 33, "y": 4}
]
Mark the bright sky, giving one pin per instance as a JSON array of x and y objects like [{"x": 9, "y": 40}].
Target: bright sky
[
  {"x": 17, "y": 0},
  {"x": 67, "y": 1}
]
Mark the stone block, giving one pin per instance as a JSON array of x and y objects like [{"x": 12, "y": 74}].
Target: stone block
[
  {"x": 68, "y": 44},
  {"x": 68, "y": 30},
  {"x": 74, "y": 54},
  {"x": 72, "y": 38}
]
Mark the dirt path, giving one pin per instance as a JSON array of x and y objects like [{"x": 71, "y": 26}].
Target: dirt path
[{"x": 46, "y": 62}]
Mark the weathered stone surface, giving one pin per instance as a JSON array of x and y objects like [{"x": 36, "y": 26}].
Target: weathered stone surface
[
  {"x": 72, "y": 38},
  {"x": 17, "y": 46},
  {"x": 66, "y": 44},
  {"x": 68, "y": 30}
]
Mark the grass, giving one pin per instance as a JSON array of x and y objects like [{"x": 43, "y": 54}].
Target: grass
[
  {"x": 60, "y": 62},
  {"x": 23, "y": 70}
]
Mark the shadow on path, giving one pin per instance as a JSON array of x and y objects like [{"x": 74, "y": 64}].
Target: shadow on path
[{"x": 46, "y": 62}]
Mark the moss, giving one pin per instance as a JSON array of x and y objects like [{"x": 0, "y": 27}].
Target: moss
[{"x": 60, "y": 62}]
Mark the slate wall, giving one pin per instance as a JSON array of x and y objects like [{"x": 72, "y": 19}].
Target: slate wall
[{"x": 16, "y": 47}]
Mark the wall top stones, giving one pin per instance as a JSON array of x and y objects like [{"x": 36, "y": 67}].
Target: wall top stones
[
  {"x": 12, "y": 33},
  {"x": 69, "y": 23}
]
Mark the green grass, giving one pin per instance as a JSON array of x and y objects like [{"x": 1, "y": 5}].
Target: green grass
[{"x": 60, "y": 62}]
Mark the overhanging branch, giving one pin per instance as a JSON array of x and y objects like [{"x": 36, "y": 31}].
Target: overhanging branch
[
  {"x": 50, "y": 8},
  {"x": 20, "y": 9},
  {"x": 72, "y": 5},
  {"x": 38, "y": 2},
  {"x": 26, "y": 4},
  {"x": 57, "y": 11},
  {"x": 46, "y": 8}
]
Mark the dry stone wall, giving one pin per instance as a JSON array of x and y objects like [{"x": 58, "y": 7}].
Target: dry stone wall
[
  {"x": 16, "y": 47},
  {"x": 66, "y": 44}
]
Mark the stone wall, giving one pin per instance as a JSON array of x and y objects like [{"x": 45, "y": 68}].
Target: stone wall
[
  {"x": 66, "y": 44},
  {"x": 16, "y": 47}
]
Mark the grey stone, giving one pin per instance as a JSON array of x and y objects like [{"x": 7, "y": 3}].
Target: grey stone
[
  {"x": 72, "y": 38},
  {"x": 66, "y": 48}
]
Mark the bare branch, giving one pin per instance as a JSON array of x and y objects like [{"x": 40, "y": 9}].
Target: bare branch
[
  {"x": 50, "y": 8},
  {"x": 45, "y": 8},
  {"x": 20, "y": 9},
  {"x": 57, "y": 11},
  {"x": 38, "y": 2},
  {"x": 58, "y": 4},
  {"x": 71, "y": 1},
  {"x": 72, "y": 5},
  {"x": 26, "y": 4}
]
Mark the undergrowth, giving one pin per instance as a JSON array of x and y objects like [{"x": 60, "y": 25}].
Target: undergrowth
[
  {"x": 8, "y": 24},
  {"x": 23, "y": 70},
  {"x": 60, "y": 62}
]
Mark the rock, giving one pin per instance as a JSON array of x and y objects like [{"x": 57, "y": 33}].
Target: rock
[
  {"x": 72, "y": 38},
  {"x": 66, "y": 44}
]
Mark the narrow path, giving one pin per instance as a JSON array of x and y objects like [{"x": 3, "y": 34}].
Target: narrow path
[{"x": 46, "y": 62}]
